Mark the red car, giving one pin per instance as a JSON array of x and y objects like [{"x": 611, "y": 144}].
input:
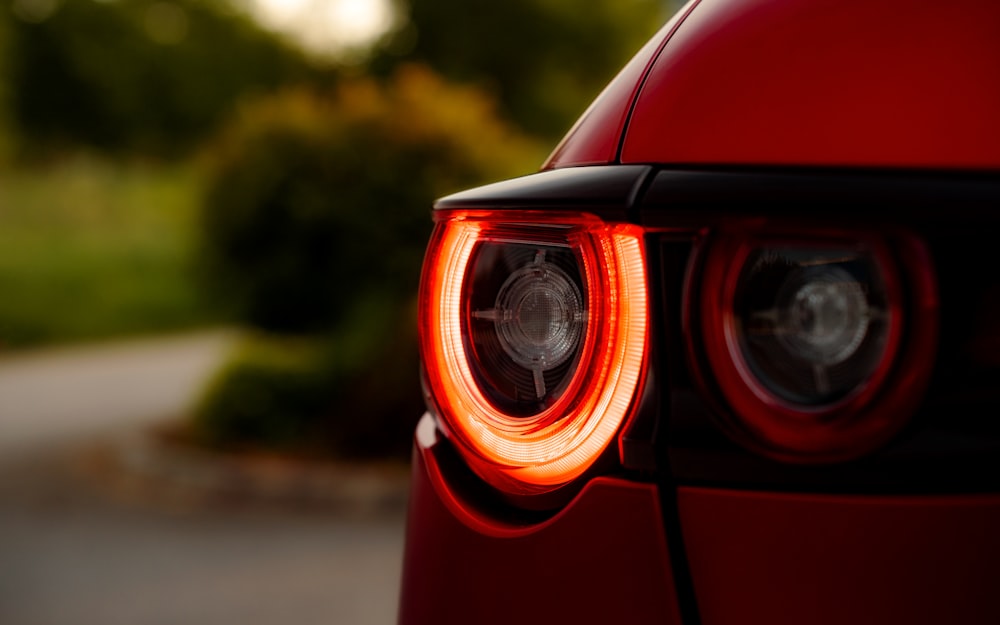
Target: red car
[{"x": 733, "y": 356}]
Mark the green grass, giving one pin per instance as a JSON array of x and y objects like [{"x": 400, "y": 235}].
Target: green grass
[{"x": 91, "y": 249}]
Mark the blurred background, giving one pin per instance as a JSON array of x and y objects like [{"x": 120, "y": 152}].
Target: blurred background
[{"x": 212, "y": 217}]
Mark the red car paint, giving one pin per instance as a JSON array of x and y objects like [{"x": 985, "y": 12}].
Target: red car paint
[
  {"x": 580, "y": 566},
  {"x": 892, "y": 83},
  {"x": 595, "y": 138},
  {"x": 882, "y": 88},
  {"x": 795, "y": 558}
]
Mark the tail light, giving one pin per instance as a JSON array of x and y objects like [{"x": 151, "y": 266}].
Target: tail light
[
  {"x": 533, "y": 335},
  {"x": 818, "y": 342}
]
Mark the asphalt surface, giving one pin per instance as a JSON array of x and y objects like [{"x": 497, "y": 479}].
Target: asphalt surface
[
  {"x": 76, "y": 548},
  {"x": 58, "y": 396}
]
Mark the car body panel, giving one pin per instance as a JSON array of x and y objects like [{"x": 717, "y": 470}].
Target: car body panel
[
  {"x": 819, "y": 83},
  {"x": 595, "y": 138},
  {"x": 581, "y": 565},
  {"x": 792, "y": 558}
]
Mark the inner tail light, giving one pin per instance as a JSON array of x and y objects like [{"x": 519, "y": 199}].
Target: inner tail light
[
  {"x": 818, "y": 342},
  {"x": 533, "y": 336}
]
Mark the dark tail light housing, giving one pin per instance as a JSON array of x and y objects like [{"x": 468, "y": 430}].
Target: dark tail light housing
[
  {"x": 816, "y": 344},
  {"x": 806, "y": 339}
]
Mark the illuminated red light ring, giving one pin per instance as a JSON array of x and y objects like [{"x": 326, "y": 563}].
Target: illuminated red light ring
[
  {"x": 550, "y": 449},
  {"x": 854, "y": 425}
]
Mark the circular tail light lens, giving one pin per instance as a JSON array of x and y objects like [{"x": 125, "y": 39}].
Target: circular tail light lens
[
  {"x": 533, "y": 336},
  {"x": 525, "y": 333},
  {"x": 813, "y": 325},
  {"x": 816, "y": 342}
]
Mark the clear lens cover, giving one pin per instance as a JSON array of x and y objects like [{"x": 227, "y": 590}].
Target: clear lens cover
[
  {"x": 812, "y": 344},
  {"x": 525, "y": 322},
  {"x": 812, "y": 323}
]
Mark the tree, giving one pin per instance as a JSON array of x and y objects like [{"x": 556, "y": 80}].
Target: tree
[
  {"x": 152, "y": 76},
  {"x": 544, "y": 59},
  {"x": 316, "y": 200}
]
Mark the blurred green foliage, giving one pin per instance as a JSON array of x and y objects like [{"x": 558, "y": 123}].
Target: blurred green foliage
[
  {"x": 296, "y": 190},
  {"x": 156, "y": 76},
  {"x": 6, "y": 128},
  {"x": 273, "y": 389},
  {"x": 135, "y": 76},
  {"x": 316, "y": 218},
  {"x": 545, "y": 60},
  {"x": 318, "y": 201},
  {"x": 91, "y": 249},
  {"x": 352, "y": 393}
]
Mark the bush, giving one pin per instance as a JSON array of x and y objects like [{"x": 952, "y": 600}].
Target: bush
[
  {"x": 545, "y": 59},
  {"x": 272, "y": 390},
  {"x": 355, "y": 394},
  {"x": 315, "y": 221},
  {"x": 317, "y": 201}
]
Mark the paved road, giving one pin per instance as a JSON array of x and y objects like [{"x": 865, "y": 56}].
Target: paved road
[
  {"x": 72, "y": 554},
  {"x": 65, "y": 395}
]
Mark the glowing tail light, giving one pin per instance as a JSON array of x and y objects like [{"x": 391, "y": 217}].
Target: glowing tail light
[{"x": 533, "y": 334}]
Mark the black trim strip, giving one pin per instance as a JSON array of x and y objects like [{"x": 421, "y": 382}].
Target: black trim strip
[
  {"x": 608, "y": 191},
  {"x": 687, "y": 598},
  {"x": 705, "y": 193}
]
